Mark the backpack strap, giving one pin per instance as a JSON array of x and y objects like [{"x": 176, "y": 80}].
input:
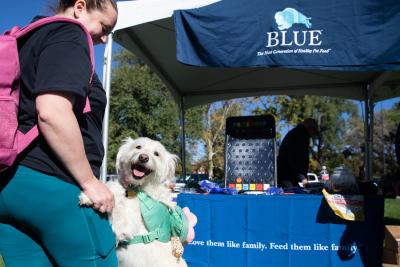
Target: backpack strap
[
  {"x": 18, "y": 32},
  {"x": 25, "y": 139}
]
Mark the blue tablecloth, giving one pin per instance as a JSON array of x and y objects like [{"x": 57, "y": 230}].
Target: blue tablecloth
[{"x": 287, "y": 230}]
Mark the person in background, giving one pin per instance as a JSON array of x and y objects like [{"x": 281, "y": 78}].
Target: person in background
[
  {"x": 294, "y": 152},
  {"x": 41, "y": 222}
]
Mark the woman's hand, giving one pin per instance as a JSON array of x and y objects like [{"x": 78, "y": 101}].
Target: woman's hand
[{"x": 99, "y": 194}]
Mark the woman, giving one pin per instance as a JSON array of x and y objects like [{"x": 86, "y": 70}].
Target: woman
[{"x": 41, "y": 223}]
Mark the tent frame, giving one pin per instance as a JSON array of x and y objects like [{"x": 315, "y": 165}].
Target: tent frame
[
  {"x": 368, "y": 120},
  {"x": 131, "y": 13}
]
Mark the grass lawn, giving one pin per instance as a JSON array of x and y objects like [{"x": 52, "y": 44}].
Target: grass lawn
[{"x": 392, "y": 211}]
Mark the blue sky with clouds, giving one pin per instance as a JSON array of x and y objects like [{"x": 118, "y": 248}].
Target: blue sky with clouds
[{"x": 20, "y": 12}]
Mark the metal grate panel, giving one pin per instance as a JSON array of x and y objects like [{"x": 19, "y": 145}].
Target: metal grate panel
[{"x": 253, "y": 160}]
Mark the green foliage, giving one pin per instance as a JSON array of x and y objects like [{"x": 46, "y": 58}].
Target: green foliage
[
  {"x": 385, "y": 126},
  {"x": 383, "y": 155},
  {"x": 141, "y": 105},
  {"x": 194, "y": 123}
]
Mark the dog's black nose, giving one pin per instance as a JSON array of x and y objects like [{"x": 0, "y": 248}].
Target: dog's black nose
[{"x": 143, "y": 158}]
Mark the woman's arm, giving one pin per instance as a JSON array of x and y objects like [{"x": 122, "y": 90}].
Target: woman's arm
[{"x": 59, "y": 126}]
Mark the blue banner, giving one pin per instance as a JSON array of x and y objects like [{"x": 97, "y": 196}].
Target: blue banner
[
  {"x": 281, "y": 231},
  {"x": 360, "y": 35}
]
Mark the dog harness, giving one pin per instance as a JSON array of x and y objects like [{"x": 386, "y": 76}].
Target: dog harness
[{"x": 161, "y": 221}]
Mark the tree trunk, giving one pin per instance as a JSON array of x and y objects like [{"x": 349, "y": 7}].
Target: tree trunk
[{"x": 210, "y": 154}]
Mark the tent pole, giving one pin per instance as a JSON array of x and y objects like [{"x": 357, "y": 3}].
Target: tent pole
[
  {"x": 183, "y": 145},
  {"x": 369, "y": 120},
  {"x": 107, "y": 85},
  {"x": 369, "y": 128}
]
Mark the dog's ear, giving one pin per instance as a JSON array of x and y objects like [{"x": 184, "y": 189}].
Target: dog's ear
[
  {"x": 121, "y": 156},
  {"x": 171, "y": 162}
]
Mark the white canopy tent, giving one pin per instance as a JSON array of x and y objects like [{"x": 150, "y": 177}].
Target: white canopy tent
[{"x": 145, "y": 27}]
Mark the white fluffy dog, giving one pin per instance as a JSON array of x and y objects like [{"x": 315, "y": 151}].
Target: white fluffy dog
[{"x": 143, "y": 165}]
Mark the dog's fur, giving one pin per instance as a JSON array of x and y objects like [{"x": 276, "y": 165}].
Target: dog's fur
[{"x": 125, "y": 218}]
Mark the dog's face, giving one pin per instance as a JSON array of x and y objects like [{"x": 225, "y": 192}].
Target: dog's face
[{"x": 141, "y": 161}]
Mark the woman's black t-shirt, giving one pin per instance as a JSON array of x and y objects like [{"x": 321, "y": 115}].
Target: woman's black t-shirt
[{"x": 56, "y": 58}]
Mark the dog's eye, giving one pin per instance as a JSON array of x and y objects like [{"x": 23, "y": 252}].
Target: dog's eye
[
  {"x": 156, "y": 153},
  {"x": 138, "y": 147}
]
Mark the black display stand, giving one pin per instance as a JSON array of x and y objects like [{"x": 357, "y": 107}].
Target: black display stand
[{"x": 250, "y": 153}]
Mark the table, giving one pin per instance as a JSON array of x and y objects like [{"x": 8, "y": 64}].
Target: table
[{"x": 283, "y": 230}]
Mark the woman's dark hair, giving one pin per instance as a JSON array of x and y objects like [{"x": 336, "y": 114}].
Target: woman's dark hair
[{"x": 90, "y": 4}]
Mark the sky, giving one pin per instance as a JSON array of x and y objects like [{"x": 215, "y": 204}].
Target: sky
[{"x": 20, "y": 12}]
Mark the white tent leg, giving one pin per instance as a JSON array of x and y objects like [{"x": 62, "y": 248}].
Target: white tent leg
[
  {"x": 183, "y": 142},
  {"x": 107, "y": 85}
]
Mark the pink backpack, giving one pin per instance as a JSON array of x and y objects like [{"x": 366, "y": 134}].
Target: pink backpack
[{"x": 12, "y": 141}]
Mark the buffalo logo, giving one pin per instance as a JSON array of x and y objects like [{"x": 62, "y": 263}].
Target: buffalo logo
[{"x": 289, "y": 16}]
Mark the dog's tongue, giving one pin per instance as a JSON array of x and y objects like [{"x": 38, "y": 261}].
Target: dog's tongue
[{"x": 138, "y": 173}]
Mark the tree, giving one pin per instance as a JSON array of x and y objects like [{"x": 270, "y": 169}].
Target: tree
[
  {"x": 214, "y": 121},
  {"x": 193, "y": 134},
  {"x": 385, "y": 160},
  {"x": 141, "y": 105},
  {"x": 383, "y": 155},
  {"x": 354, "y": 141},
  {"x": 385, "y": 126}
]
